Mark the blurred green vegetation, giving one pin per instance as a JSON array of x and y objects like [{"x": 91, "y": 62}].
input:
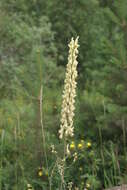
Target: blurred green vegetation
[{"x": 33, "y": 50}]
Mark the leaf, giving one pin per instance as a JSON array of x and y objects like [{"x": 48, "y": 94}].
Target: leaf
[{"x": 112, "y": 16}]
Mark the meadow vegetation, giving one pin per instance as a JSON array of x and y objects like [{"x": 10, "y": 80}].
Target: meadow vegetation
[{"x": 63, "y": 110}]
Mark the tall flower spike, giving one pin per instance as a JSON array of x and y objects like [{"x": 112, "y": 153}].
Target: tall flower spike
[{"x": 69, "y": 92}]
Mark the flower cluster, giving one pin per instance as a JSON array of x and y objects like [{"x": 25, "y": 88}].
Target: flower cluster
[
  {"x": 42, "y": 172},
  {"x": 69, "y": 93},
  {"x": 80, "y": 145}
]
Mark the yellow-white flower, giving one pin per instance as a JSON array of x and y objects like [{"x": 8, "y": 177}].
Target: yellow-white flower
[
  {"x": 87, "y": 185},
  {"x": 69, "y": 93}
]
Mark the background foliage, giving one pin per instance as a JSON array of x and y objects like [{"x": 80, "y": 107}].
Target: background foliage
[{"x": 33, "y": 49}]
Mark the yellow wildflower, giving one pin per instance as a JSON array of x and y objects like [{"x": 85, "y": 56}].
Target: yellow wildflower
[
  {"x": 72, "y": 145},
  {"x": 40, "y": 173},
  {"x": 80, "y": 146},
  {"x": 89, "y": 144}
]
